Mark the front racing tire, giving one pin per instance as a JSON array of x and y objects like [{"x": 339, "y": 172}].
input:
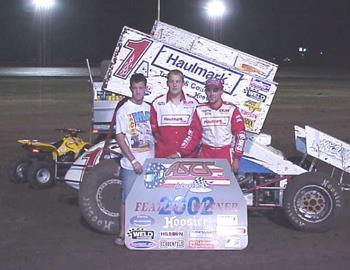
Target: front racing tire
[
  {"x": 40, "y": 175},
  {"x": 100, "y": 196},
  {"x": 312, "y": 202}
]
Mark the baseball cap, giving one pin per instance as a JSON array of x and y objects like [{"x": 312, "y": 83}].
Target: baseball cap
[{"x": 214, "y": 84}]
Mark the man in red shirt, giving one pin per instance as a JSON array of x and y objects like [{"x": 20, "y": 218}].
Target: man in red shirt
[
  {"x": 219, "y": 126},
  {"x": 171, "y": 116}
]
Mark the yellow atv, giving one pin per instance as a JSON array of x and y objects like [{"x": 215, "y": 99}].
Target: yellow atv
[{"x": 42, "y": 163}]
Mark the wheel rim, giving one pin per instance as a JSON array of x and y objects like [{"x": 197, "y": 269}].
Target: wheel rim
[
  {"x": 20, "y": 170},
  {"x": 43, "y": 175},
  {"x": 106, "y": 197},
  {"x": 313, "y": 203}
]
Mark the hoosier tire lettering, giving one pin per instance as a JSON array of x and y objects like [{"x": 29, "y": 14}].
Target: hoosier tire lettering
[
  {"x": 312, "y": 202},
  {"x": 99, "y": 196}
]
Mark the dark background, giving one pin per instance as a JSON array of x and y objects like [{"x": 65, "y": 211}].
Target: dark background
[{"x": 270, "y": 29}]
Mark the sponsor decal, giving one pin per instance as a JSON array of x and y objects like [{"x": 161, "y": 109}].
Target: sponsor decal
[
  {"x": 231, "y": 230},
  {"x": 142, "y": 220},
  {"x": 200, "y": 243},
  {"x": 202, "y": 234},
  {"x": 140, "y": 233},
  {"x": 334, "y": 148},
  {"x": 227, "y": 220},
  {"x": 249, "y": 69},
  {"x": 175, "y": 222},
  {"x": 196, "y": 69},
  {"x": 249, "y": 123},
  {"x": 142, "y": 244},
  {"x": 184, "y": 172},
  {"x": 248, "y": 114},
  {"x": 252, "y": 105},
  {"x": 259, "y": 85},
  {"x": 172, "y": 244},
  {"x": 171, "y": 234},
  {"x": 199, "y": 185},
  {"x": 253, "y": 66},
  {"x": 232, "y": 242},
  {"x": 255, "y": 95}
]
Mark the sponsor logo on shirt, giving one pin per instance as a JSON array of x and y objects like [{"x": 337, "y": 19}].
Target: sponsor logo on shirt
[
  {"x": 215, "y": 121},
  {"x": 175, "y": 119}
]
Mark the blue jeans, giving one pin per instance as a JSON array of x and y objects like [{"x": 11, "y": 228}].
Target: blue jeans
[{"x": 128, "y": 178}]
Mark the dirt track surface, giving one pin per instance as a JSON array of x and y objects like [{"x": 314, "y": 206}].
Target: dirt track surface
[{"x": 43, "y": 229}]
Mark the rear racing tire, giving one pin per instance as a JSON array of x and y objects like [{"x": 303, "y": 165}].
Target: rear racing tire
[
  {"x": 100, "y": 196},
  {"x": 17, "y": 169},
  {"x": 312, "y": 202},
  {"x": 40, "y": 175}
]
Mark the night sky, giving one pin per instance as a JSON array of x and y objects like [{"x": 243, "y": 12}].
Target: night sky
[{"x": 271, "y": 29}]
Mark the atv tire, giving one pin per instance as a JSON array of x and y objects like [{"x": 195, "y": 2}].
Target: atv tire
[
  {"x": 40, "y": 175},
  {"x": 17, "y": 169},
  {"x": 312, "y": 202},
  {"x": 100, "y": 196}
]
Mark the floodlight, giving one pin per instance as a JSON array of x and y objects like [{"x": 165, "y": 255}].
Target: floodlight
[
  {"x": 215, "y": 8},
  {"x": 43, "y": 4}
]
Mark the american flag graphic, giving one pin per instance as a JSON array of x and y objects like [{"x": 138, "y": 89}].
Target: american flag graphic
[{"x": 156, "y": 176}]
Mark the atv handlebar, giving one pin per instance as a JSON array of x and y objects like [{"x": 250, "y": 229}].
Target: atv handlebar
[{"x": 70, "y": 131}]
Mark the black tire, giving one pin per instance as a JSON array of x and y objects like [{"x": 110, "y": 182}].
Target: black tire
[
  {"x": 40, "y": 175},
  {"x": 17, "y": 169},
  {"x": 100, "y": 196},
  {"x": 312, "y": 202}
]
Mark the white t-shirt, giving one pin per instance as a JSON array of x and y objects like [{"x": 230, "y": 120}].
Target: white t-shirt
[{"x": 133, "y": 121}]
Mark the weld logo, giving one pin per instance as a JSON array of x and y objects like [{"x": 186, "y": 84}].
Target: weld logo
[{"x": 140, "y": 233}]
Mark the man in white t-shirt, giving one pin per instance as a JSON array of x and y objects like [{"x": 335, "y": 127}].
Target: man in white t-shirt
[{"x": 134, "y": 137}]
